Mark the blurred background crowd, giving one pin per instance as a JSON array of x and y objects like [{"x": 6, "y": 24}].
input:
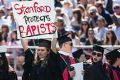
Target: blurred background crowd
[{"x": 88, "y": 22}]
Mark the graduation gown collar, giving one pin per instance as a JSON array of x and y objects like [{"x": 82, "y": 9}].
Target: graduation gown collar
[{"x": 64, "y": 53}]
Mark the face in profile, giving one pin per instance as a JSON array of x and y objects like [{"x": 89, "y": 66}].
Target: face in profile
[{"x": 68, "y": 46}]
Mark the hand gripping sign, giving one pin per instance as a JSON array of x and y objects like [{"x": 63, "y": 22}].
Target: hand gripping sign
[{"x": 35, "y": 18}]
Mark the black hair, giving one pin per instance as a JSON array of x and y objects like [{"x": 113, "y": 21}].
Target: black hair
[
  {"x": 78, "y": 14},
  {"x": 112, "y": 56},
  {"x": 112, "y": 61}
]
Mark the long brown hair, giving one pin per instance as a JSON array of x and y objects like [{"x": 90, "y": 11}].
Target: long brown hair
[
  {"x": 37, "y": 59},
  {"x": 113, "y": 38}
]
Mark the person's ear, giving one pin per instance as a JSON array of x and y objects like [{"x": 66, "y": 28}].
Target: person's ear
[{"x": 118, "y": 59}]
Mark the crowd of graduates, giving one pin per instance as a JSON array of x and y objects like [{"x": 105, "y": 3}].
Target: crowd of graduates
[{"x": 79, "y": 23}]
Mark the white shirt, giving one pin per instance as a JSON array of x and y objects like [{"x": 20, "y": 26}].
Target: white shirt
[
  {"x": 65, "y": 53},
  {"x": 100, "y": 33},
  {"x": 117, "y": 32}
]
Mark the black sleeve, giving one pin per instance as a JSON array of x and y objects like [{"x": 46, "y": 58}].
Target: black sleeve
[
  {"x": 56, "y": 70},
  {"x": 55, "y": 67},
  {"x": 13, "y": 75},
  {"x": 29, "y": 57},
  {"x": 88, "y": 74}
]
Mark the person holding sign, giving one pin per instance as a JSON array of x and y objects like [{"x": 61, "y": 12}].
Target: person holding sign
[{"x": 43, "y": 66}]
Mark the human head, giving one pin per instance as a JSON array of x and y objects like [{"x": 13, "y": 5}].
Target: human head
[
  {"x": 90, "y": 33},
  {"x": 82, "y": 10},
  {"x": 67, "y": 4},
  {"x": 2, "y": 13},
  {"x": 60, "y": 22},
  {"x": 65, "y": 43},
  {"x": 58, "y": 11},
  {"x": 84, "y": 26},
  {"x": 116, "y": 8},
  {"x": 14, "y": 35},
  {"x": 97, "y": 53},
  {"x": 84, "y": 2},
  {"x": 44, "y": 47},
  {"x": 92, "y": 11},
  {"x": 77, "y": 15},
  {"x": 101, "y": 22},
  {"x": 5, "y": 28},
  {"x": 111, "y": 35},
  {"x": 113, "y": 57},
  {"x": 79, "y": 55},
  {"x": 99, "y": 6}
]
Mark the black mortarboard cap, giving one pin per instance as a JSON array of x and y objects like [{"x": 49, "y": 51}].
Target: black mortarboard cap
[
  {"x": 77, "y": 53},
  {"x": 44, "y": 43},
  {"x": 113, "y": 54},
  {"x": 98, "y": 48},
  {"x": 64, "y": 39}
]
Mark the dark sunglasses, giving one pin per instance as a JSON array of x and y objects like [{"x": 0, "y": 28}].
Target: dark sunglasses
[
  {"x": 117, "y": 7},
  {"x": 92, "y": 13},
  {"x": 98, "y": 54}
]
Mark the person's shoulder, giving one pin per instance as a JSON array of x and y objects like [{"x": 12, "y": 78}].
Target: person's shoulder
[
  {"x": 28, "y": 51},
  {"x": 53, "y": 54},
  {"x": 106, "y": 29},
  {"x": 95, "y": 29}
]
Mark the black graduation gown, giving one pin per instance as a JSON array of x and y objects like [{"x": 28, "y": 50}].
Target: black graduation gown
[
  {"x": 38, "y": 72},
  {"x": 95, "y": 72},
  {"x": 5, "y": 74}
]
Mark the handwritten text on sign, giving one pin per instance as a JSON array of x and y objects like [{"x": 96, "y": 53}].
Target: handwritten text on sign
[{"x": 34, "y": 18}]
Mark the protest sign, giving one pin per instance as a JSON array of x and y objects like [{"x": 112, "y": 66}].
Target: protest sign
[{"x": 35, "y": 19}]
